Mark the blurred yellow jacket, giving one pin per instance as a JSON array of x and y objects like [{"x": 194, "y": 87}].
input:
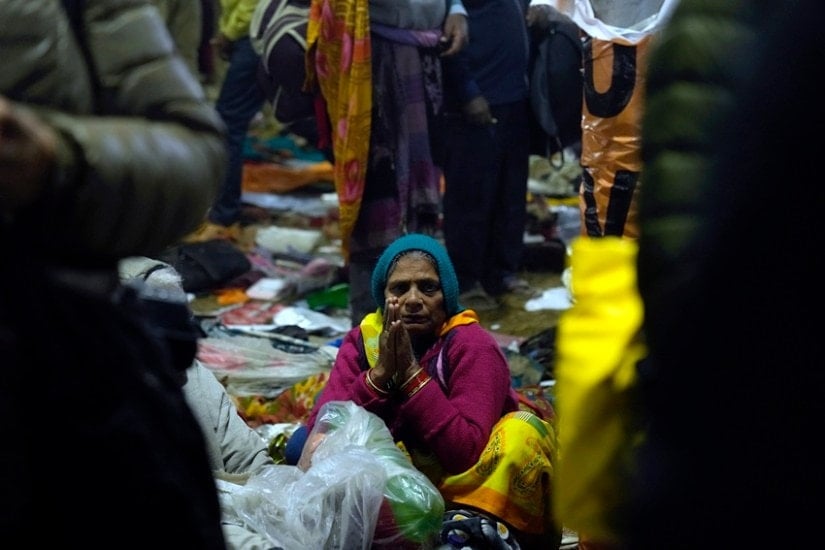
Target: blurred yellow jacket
[{"x": 598, "y": 345}]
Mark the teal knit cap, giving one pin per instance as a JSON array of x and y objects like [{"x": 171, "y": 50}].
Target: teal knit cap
[{"x": 425, "y": 243}]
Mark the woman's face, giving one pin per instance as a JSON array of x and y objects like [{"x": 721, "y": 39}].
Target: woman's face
[{"x": 415, "y": 283}]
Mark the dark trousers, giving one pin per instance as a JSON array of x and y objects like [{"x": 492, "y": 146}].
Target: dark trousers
[
  {"x": 485, "y": 198},
  {"x": 239, "y": 101}
]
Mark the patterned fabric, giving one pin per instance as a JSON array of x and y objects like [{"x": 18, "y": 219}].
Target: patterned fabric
[
  {"x": 292, "y": 405},
  {"x": 380, "y": 108},
  {"x": 512, "y": 479},
  {"x": 402, "y": 193},
  {"x": 339, "y": 63}
]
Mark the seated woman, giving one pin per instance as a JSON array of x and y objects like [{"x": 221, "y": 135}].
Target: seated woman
[{"x": 441, "y": 384}]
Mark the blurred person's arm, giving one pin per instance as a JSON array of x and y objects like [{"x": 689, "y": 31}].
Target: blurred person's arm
[
  {"x": 540, "y": 13},
  {"x": 140, "y": 151},
  {"x": 241, "y": 450},
  {"x": 456, "y": 31}
]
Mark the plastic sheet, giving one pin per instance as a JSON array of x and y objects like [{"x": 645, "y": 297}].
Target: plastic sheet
[{"x": 250, "y": 365}]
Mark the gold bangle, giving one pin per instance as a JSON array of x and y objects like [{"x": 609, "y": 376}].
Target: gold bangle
[
  {"x": 416, "y": 389},
  {"x": 372, "y": 385}
]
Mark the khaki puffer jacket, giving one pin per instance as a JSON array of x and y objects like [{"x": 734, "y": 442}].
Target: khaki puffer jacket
[
  {"x": 690, "y": 80},
  {"x": 141, "y": 150}
]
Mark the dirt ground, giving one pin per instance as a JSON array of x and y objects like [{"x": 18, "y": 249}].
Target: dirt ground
[{"x": 513, "y": 320}]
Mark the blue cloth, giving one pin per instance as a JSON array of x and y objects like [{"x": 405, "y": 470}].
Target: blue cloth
[
  {"x": 240, "y": 99},
  {"x": 295, "y": 445}
]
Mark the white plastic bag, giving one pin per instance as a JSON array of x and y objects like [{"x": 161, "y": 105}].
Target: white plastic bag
[
  {"x": 413, "y": 508},
  {"x": 334, "y": 505}
]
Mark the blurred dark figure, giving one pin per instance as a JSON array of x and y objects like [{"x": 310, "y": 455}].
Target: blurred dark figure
[
  {"x": 239, "y": 100},
  {"x": 487, "y": 147},
  {"x": 731, "y": 280},
  {"x": 107, "y": 149},
  {"x": 206, "y": 55},
  {"x": 556, "y": 82}
]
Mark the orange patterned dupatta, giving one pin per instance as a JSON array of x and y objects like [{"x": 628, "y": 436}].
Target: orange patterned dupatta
[{"x": 338, "y": 62}]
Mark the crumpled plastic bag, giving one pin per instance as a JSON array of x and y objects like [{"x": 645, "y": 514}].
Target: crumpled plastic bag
[
  {"x": 358, "y": 478},
  {"x": 413, "y": 508},
  {"x": 334, "y": 505}
]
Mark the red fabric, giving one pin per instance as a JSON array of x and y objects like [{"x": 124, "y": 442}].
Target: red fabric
[{"x": 324, "y": 130}]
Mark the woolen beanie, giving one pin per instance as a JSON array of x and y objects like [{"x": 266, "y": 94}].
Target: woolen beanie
[{"x": 425, "y": 243}]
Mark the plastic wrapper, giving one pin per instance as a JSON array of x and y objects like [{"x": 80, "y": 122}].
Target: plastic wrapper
[
  {"x": 334, "y": 505},
  {"x": 628, "y": 21},
  {"x": 413, "y": 508}
]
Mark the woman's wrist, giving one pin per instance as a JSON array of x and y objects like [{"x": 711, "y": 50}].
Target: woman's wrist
[
  {"x": 384, "y": 391},
  {"x": 414, "y": 383}
]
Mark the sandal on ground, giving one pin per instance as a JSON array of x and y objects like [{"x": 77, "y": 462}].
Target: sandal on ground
[
  {"x": 520, "y": 287},
  {"x": 477, "y": 299}
]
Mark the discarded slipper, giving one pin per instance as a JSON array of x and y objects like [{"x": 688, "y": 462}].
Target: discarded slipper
[{"x": 477, "y": 299}]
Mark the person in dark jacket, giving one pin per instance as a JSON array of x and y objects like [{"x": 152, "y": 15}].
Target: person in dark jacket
[
  {"x": 108, "y": 148},
  {"x": 236, "y": 452},
  {"x": 486, "y": 143}
]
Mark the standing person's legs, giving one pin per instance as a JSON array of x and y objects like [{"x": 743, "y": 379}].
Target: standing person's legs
[
  {"x": 240, "y": 99},
  {"x": 509, "y": 217},
  {"x": 468, "y": 197}
]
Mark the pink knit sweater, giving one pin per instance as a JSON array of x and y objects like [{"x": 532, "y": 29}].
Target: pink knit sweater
[{"x": 453, "y": 415}]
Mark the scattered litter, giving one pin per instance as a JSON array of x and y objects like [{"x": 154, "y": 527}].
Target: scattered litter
[{"x": 553, "y": 298}]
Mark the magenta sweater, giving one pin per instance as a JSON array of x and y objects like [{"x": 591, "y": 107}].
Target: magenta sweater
[{"x": 453, "y": 420}]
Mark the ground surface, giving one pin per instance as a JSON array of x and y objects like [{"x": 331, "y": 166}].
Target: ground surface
[{"x": 512, "y": 318}]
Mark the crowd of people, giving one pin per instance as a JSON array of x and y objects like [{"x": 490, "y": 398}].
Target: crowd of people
[{"x": 110, "y": 153}]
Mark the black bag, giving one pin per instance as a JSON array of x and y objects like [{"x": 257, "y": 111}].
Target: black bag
[
  {"x": 207, "y": 265},
  {"x": 556, "y": 88}
]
